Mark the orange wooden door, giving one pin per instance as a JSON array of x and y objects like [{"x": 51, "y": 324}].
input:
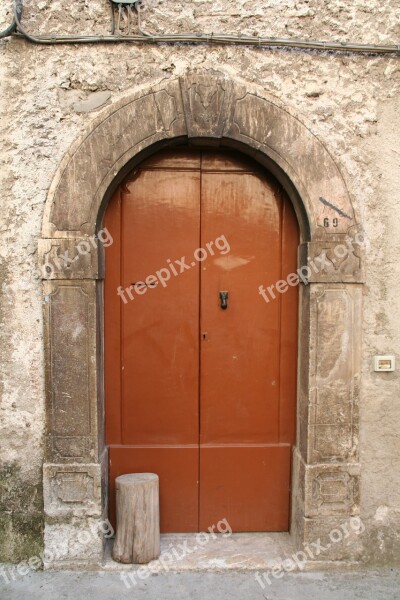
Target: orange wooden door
[{"x": 204, "y": 397}]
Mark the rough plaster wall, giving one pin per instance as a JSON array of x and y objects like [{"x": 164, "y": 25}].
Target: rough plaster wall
[
  {"x": 380, "y": 415},
  {"x": 352, "y": 102}
]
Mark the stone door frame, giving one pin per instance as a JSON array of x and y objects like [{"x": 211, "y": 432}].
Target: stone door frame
[{"x": 201, "y": 108}]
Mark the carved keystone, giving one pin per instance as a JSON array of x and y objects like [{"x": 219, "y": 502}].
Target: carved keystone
[{"x": 206, "y": 99}]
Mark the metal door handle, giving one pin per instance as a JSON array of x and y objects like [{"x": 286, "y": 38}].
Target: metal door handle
[{"x": 224, "y": 300}]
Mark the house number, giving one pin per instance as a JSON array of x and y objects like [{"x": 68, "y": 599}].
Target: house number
[{"x": 335, "y": 222}]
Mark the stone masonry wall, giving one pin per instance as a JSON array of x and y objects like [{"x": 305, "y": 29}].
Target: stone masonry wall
[{"x": 47, "y": 100}]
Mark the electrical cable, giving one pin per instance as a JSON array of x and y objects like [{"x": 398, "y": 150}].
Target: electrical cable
[
  {"x": 10, "y": 29},
  {"x": 142, "y": 31},
  {"x": 13, "y": 27},
  {"x": 112, "y": 19},
  {"x": 201, "y": 38}
]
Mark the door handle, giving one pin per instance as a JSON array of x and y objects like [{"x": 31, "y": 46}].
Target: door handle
[{"x": 224, "y": 300}]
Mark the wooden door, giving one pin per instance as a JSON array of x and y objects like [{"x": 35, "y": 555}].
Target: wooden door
[{"x": 201, "y": 395}]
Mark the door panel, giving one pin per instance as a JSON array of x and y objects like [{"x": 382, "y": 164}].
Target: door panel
[
  {"x": 240, "y": 353},
  {"x": 160, "y": 221},
  {"x": 247, "y": 485},
  {"x": 202, "y": 396},
  {"x": 244, "y": 469},
  {"x": 158, "y": 364},
  {"x": 177, "y": 469}
]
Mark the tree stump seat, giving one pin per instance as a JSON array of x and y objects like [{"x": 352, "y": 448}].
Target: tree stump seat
[{"x": 138, "y": 518}]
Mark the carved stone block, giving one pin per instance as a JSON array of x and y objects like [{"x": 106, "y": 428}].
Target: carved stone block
[
  {"x": 71, "y": 374},
  {"x": 332, "y": 490},
  {"x": 206, "y": 99},
  {"x": 336, "y": 262},
  {"x": 334, "y": 373},
  {"x": 72, "y": 258},
  {"x": 73, "y": 489}
]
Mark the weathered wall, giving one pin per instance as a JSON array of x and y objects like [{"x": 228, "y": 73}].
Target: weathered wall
[{"x": 352, "y": 102}]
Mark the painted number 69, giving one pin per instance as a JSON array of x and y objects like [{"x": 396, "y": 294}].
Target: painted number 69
[{"x": 335, "y": 222}]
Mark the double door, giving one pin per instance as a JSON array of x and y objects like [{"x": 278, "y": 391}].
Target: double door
[{"x": 200, "y": 370}]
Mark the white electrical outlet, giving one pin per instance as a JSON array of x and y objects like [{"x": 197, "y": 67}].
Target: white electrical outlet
[{"x": 384, "y": 363}]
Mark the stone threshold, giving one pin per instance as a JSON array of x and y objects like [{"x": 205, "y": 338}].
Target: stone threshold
[{"x": 182, "y": 552}]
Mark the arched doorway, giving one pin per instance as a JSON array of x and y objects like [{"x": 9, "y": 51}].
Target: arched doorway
[
  {"x": 200, "y": 108},
  {"x": 200, "y": 369}
]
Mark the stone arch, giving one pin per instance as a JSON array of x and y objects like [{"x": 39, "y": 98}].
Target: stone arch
[
  {"x": 196, "y": 109},
  {"x": 198, "y": 106}
]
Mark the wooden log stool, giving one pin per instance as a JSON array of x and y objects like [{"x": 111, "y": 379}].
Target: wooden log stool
[{"x": 138, "y": 518}]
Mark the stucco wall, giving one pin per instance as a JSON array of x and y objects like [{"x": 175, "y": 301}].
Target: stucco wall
[{"x": 352, "y": 103}]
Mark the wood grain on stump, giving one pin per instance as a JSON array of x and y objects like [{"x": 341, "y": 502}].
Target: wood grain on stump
[{"x": 138, "y": 518}]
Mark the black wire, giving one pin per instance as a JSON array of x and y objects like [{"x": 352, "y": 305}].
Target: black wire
[
  {"x": 10, "y": 29},
  {"x": 13, "y": 27}
]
